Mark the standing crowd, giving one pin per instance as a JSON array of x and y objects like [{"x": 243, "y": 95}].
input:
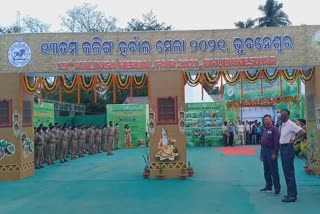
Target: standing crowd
[
  {"x": 247, "y": 132},
  {"x": 57, "y": 142}
]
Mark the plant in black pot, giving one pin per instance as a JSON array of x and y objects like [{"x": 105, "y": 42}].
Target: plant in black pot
[
  {"x": 160, "y": 174},
  {"x": 146, "y": 171},
  {"x": 190, "y": 169}
]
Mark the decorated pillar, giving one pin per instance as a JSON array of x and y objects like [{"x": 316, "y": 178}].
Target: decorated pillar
[
  {"x": 166, "y": 124},
  {"x": 16, "y": 130},
  {"x": 313, "y": 122}
]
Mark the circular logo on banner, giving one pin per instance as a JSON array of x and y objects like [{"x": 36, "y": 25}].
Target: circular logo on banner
[
  {"x": 19, "y": 53},
  {"x": 230, "y": 92}
]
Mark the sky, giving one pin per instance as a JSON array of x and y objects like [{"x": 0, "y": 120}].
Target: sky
[{"x": 181, "y": 14}]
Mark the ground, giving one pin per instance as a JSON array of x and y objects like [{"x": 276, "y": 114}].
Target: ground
[{"x": 223, "y": 183}]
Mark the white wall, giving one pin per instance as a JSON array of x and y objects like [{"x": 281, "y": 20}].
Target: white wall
[{"x": 257, "y": 113}]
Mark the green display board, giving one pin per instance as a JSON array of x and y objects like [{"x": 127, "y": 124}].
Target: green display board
[
  {"x": 207, "y": 118},
  {"x": 43, "y": 113},
  {"x": 132, "y": 114},
  {"x": 253, "y": 91}
]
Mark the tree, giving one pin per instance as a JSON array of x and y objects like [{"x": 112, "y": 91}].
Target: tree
[
  {"x": 10, "y": 29},
  {"x": 149, "y": 23},
  {"x": 249, "y": 23},
  {"x": 86, "y": 18},
  {"x": 34, "y": 25},
  {"x": 273, "y": 15},
  {"x": 29, "y": 24}
]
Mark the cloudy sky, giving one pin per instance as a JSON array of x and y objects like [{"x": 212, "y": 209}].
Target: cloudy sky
[{"x": 181, "y": 14}]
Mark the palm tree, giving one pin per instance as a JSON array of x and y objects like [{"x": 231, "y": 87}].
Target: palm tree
[
  {"x": 273, "y": 15},
  {"x": 249, "y": 23}
]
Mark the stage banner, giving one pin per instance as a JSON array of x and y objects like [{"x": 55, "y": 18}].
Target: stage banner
[
  {"x": 253, "y": 91},
  {"x": 207, "y": 119},
  {"x": 135, "y": 115},
  {"x": 43, "y": 113}
]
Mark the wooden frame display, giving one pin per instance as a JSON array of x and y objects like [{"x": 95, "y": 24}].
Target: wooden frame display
[
  {"x": 167, "y": 110},
  {"x": 5, "y": 118}
]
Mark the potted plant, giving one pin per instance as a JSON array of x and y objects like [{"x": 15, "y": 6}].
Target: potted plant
[
  {"x": 306, "y": 155},
  {"x": 146, "y": 171},
  {"x": 190, "y": 169},
  {"x": 160, "y": 174},
  {"x": 184, "y": 174}
]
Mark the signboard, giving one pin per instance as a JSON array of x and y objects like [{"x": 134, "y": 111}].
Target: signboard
[
  {"x": 161, "y": 50},
  {"x": 135, "y": 115},
  {"x": 207, "y": 118},
  {"x": 43, "y": 113},
  {"x": 253, "y": 91}
]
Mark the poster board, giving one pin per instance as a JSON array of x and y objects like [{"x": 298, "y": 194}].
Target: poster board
[
  {"x": 43, "y": 113},
  {"x": 207, "y": 118},
  {"x": 135, "y": 115}
]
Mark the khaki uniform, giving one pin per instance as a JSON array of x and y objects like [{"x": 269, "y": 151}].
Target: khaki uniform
[
  {"x": 110, "y": 136},
  {"x": 104, "y": 139},
  {"x": 73, "y": 143},
  {"x": 91, "y": 133},
  {"x": 64, "y": 136},
  {"x": 116, "y": 138},
  {"x": 98, "y": 140},
  {"x": 81, "y": 141},
  {"x": 39, "y": 143},
  {"x": 51, "y": 142}
]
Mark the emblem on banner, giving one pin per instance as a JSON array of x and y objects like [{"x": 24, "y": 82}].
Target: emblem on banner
[{"x": 19, "y": 53}]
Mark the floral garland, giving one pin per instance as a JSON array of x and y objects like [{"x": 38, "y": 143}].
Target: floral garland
[
  {"x": 212, "y": 79},
  {"x": 271, "y": 78},
  {"x": 122, "y": 84},
  {"x": 139, "y": 83},
  {"x": 105, "y": 82},
  {"x": 69, "y": 83},
  {"x": 252, "y": 78},
  {"x": 231, "y": 80},
  {"x": 306, "y": 76},
  {"x": 291, "y": 78},
  {"x": 262, "y": 102},
  {"x": 190, "y": 81},
  {"x": 31, "y": 87},
  {"x": 50, "y": 86},
  {"x": 85, "y": 79}
]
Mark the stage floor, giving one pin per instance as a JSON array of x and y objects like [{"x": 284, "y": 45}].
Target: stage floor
[{"x": 223, "y": 183}]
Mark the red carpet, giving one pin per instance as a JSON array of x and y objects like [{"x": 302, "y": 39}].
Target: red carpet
[{"x": 238, "y": 150}]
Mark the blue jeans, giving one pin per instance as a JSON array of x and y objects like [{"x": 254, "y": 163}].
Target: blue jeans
[
  {"x": 287, "y": 159},
  {"x": 271, "y": 171}
]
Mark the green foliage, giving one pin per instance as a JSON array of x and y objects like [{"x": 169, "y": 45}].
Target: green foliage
[
  {"x": 160, "y": 168},
  {"x": 249, "y": 23},
  {"x": 189, "y": 165},
  {"x": 273, "y": 15},
  {"x": 86, "y": 18},
  {"x": 149, "y": 22},
  {"x": 146, "y": 159}
]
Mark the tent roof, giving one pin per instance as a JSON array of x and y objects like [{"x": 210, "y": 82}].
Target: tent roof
[{"x": 194, "y": 94}]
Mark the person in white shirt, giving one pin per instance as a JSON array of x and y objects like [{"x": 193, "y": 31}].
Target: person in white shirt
[
  {"x": 240, "y": 130},
  {"x": 289, "y": 132}
]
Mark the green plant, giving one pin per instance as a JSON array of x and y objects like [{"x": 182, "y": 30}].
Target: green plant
[
  {"x": 189, "y": 165},
  {"x": 160, "y": 168},
  {"x": 304, "y": 151},
  {"x": 146, "y": 159},
  {"x": 190, "y": 169}
]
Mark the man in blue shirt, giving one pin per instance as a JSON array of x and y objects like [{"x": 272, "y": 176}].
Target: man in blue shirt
[{"x": 269, "y": 155}]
